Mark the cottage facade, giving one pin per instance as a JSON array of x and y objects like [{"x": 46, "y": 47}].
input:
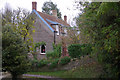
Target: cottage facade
[{"x": 48, "y": 28}]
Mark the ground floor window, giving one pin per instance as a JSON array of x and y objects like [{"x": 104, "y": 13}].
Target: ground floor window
[{"x": 42, "y": 48}]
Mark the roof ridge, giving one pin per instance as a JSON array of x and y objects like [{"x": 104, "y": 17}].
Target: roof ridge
[
  {"x": 50, "y": 15},
  {"x": 51, "y": 20}
]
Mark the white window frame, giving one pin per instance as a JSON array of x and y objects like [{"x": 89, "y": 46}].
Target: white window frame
[
  {"x": 65, "y": 30},
  {"x": 57, "y": 29},
  {"x": 40, "y": 50}
]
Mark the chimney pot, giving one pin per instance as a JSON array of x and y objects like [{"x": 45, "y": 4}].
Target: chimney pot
[
  {"x": 34, "y": 5},
  {"x": 54, "y": 13},
  {"x": 65, "y": 18}
]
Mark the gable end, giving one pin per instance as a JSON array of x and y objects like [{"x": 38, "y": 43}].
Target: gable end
[{"x": 43, "y": 20}]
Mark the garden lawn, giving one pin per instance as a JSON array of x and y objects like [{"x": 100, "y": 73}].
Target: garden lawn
[
  {"x": 54, "y": 73},
  {"x": 92, "y": 70}
]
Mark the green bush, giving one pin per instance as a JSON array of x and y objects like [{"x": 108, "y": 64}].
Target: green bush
[
  {"x": 56, "y": 53},
  {"x": 58, "y": 49},
  {"x": 14, "y": 52},
  {"x": 74, "y": 50},
  {"x": 34, "y": 62},
  {"x": 77, "y": 50},
  {"x": 52, "y": 54},
  {"x": 54, "y": 63},
  {"x": 42, "y": 63},
  {"x": 65, "y": 60},
  {"x": 86, "y": 49}
]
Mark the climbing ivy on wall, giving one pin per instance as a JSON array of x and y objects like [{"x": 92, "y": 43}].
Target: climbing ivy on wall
[{"x": 38, "y": 44}]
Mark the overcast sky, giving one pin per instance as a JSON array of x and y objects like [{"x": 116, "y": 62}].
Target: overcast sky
[{"x": 66, "y": 6}]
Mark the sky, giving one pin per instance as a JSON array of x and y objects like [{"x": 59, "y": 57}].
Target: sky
[{"x": 66, "y": 7}]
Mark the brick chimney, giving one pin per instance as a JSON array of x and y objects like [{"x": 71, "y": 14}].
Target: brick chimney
[
  {"x": 54, "y": 13},
  {"x": 34, "y": 5},
  {"x": 65, "y": 18}
]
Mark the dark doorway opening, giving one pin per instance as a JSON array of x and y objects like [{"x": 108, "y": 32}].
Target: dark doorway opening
[{"x": 43, "y": 49}]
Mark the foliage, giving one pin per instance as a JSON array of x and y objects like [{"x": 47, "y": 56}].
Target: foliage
[
  {"x": 42, "y": 63},
  {"x": 65, "y": 60},
  {"x": 54, "y": 63},
  {"x": 14, "y": 52},
  {"x": 74, "y": 50},
  {"x": 86, "y": 49},
  {"x": 73, "y": 36},
  {"x": 34, "y": 62},
  {"x": 57, "y": 48},
  {"x": 77, "y": 50},
  {"x": 52, "y": 54},
  {"x": 48, "y": 6},
  {"x": 56, "y": 53},
  {"x": 17, "y": 39},
  {"x": 99, "y": 24},
  {"x": 6, "y": 17},
  {"x": 22, "y": 22},
  {"x": 38, "y": 63},
  {"x": 37, "y": 45},
  {"x": 85, "y": 70}
]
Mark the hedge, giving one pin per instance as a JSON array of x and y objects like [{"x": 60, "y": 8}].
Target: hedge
[
  {"x": 65, "y": 60},
  {"x": 54, "y": 63},
  {"x": 42, "y": 63},
  {"x": 77, "y": 50}
]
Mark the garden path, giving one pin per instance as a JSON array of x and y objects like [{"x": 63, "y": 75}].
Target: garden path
[{"x": 41, "y": 76}]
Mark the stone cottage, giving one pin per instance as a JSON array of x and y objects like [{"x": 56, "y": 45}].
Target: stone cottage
[{"x": 48, "y": 28}]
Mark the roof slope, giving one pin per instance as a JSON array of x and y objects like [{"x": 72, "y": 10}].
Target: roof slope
[{"x": 52, "y": 19}]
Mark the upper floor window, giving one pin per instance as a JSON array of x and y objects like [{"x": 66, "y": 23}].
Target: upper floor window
[
  {"x": 57, "y": 29},
  {"x": 65, "y": 31}
]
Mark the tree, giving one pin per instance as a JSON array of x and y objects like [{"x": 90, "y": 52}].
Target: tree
[
  {"x": 48, "y": 6},
  {"x": 22, "y": 22},
  {"x": 73, "y": 36},
  {"x": 16, "y": 40},
  {"x": 14, "y": 52},
  {"x": 100, "y": 23},
  {"x": 7, "y": 15}
]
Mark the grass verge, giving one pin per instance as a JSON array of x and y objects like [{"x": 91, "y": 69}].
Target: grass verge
[{"x": 92, "y": 70}]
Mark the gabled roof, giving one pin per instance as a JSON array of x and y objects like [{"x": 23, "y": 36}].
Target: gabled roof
[{"x": 50, "y": 20}]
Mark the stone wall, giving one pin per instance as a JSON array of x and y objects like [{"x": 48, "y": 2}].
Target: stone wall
[{"x": 43, "y": 33}]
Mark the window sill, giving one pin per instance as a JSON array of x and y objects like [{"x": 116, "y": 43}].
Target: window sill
[{"x": 43, "y": 53}]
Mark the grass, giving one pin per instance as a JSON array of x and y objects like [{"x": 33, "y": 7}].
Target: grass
[
  {"x": 54, "y": 73},
  {"x": 85, "y": 71},
  {"x": 88, "y": 68},
  {"x": 33, "y": 78},
  {"x": 92, "y": 70}
]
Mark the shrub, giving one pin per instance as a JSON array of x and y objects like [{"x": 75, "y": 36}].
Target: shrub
[
  {"x": 58, "y": 49},
  {"x": 86, "y": 49},
  {"x": 56, "y": 53},
  {"x": 52, "y": 54},
  {"x": 54, "y": 63},
  {"x": 42, "y": 63},
  {"x": 77, "y": 50},
  {"x": 34, "y": 62},
  {"x": 14, "y": 52},
  {"x": 65, "y": 60},
  {"x": 74, "y": 50}
]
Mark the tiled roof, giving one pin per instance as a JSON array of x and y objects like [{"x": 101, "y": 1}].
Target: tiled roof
[{"x": 52, "y": 19}]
